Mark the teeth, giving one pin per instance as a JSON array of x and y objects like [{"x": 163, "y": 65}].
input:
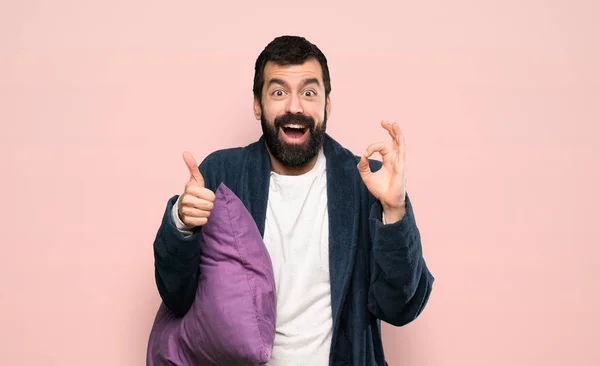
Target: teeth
[{"x": 300, "y": 127}]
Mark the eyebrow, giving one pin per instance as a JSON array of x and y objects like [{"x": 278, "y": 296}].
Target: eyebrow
[{"x": 305, "y": 82}]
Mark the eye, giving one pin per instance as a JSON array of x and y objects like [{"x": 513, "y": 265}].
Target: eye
[
  {"x": 309, "y": 93},
  {"x": 278, "y": 93}
]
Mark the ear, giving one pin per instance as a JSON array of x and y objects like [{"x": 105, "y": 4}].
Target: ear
[
  {"x": 328, "y": 106},
  {"x": 257, "y": 109}
]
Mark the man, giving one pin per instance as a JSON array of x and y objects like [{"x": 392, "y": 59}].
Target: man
[{"x": 339, "y": 228}]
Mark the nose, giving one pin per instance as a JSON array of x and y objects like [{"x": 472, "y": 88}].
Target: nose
[{"x": 294, "y": 105}]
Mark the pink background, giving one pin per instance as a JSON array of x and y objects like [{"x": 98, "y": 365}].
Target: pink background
[{"x": 499, "y": 102}]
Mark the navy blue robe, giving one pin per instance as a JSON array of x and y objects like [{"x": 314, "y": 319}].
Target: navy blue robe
[{"x": 377, "y": 271}]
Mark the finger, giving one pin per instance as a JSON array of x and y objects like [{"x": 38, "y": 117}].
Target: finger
[
  {"x": 380, "y": 147},
  {"x": 193, "y": 168},
  {"x": 393, "y": 129},
  {"x": 401, "y": 142},
  {"x": 194, "y": 212},
  {"x": 398, "y": 133},
  {"x": 363, "y": 167},
  {"x": 195, "y": 221},
  {"x": 389, "y": 127},
  {"x": 200, "y": 192},
  {"x": 197, "y": 203}
]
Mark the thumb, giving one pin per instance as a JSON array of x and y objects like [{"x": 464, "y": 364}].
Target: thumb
[
  {"x": 193, "y": 168},
  {"x": 363, "y": 167}
]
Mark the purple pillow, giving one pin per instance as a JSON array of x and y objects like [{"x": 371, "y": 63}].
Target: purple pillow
[{"x": 232, "y": 320}]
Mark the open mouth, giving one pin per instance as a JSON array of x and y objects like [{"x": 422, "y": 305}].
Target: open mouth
[{"x": 294, "y": 131}]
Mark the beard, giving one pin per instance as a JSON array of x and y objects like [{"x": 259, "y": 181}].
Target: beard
[{"x": 294, "y": 155}]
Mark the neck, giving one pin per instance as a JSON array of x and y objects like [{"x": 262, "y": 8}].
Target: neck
[{"x": 279, "y": 168}]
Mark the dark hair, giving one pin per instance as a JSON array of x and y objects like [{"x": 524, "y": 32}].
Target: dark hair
[{"x": 288, "y": 50}]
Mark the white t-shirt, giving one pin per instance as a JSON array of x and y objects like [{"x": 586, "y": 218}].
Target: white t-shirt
[{"x": 297, "y": 238}]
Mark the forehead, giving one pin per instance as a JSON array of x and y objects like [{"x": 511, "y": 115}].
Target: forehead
[{"x": 293, "y": 74}]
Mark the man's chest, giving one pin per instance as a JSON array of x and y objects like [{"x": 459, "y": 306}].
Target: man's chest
[{"x": 297, "y": 228}]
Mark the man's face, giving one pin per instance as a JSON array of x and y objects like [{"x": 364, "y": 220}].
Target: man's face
[{"x": 293, "y": 111}]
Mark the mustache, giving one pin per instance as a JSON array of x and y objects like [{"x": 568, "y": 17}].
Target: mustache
[{"x": 300, "y": 119}]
